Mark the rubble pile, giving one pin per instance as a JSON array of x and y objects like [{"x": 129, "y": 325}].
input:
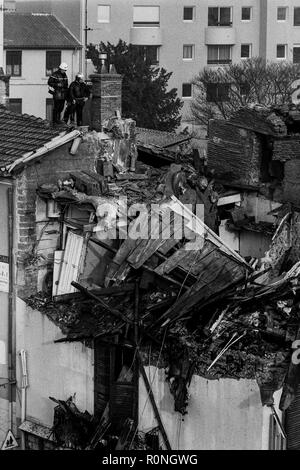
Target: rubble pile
[{"x": 191, "y": 300}]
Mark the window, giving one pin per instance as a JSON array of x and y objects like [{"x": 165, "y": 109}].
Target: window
[
  {"x": 281, "y": 51},
  {"x": 103, "y": 13},
  {"x": 149, "y": 53},
  {"x": 14, "y": 63},
  {"x": 245, "y": 51},
  {"x": 49, "y": 109},
  {"x": 146, "y": 16},
  {"x": 217, "y": 92},
  {"x": 188, "y": 13},
  {"x": 281, "y": 13},
  {"x": 296, "y": 55},
  {"x": 15, "y": 105},
  {"x": 188, "y": 52},
  {"x": 219, "y": 16},
  {"x": 53, "y": 60},
  {"x": 186, "y": 90},
  {"x": 246, "y": 13},
  {"x": 297, "y": 16},
  {"x": 219, "y": 54}
]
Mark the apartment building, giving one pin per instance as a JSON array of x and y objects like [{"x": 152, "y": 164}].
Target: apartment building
[
  {"x": 184, "y": 36},
  {"x": 34, "y": 46}
]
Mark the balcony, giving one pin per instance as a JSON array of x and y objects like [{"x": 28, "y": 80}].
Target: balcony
[
  {"x": 217, "y": 35},
  {"x": 145, "y": 36}
]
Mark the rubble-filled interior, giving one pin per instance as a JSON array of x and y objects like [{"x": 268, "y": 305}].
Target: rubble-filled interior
[{"x": 193, "y": 301}]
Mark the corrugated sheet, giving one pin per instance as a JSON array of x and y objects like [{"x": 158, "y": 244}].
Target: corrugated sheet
[
  {"x": 293, "y": 424},
  {"x": 70, "y": 264}
]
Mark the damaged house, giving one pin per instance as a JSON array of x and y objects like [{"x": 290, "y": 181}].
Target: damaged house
[{"x": 140, "y": 328}]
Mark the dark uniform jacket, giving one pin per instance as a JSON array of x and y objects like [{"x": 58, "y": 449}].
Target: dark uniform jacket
[
  {"x": 59, "y": 81},
  {"x": 78, "y": 91}
]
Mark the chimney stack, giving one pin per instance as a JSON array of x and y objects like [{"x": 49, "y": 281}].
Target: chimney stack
[{"x": 106, "y": 96}]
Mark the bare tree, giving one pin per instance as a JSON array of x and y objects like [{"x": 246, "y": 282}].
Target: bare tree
[{"x": 219, "y": 92}]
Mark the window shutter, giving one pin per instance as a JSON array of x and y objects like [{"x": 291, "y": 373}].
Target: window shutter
[{"x": 145, "y": 14}]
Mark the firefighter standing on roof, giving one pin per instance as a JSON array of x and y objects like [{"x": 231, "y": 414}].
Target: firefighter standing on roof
[
  {"x": 58, "y": 87},
  {"x": 79, "y": 93}
]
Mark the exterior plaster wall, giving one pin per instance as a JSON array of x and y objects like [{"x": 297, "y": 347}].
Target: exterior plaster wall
[
  {"x": 32, "y": 86},
  {"x": 58, "y": 370},
  {"x": 222, "y": 414}
]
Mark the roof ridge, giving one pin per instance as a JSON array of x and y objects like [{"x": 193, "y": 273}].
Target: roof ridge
[{"x": 66, "y": 27}]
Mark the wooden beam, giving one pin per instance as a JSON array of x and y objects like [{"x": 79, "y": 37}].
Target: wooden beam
[
  {"x": 101, "y": 302},
  {"x": 153, "y": 403}
]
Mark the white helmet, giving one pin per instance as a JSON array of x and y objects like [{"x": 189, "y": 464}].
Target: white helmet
[
  {"x": 80, "y": 75},
  {"x": 63, "y": 66}
]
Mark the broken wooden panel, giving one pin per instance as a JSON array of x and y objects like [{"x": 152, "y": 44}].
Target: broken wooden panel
[
  {"x": 71, "y": 263},
  {"x": 217, "y": 274},
  {"x": 183, "y": 257},
  {"x": 163, "y": 229},
  {"x": 96, "y": 261}
]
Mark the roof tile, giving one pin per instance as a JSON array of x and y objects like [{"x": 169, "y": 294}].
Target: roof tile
[
  {"x": 36, "y": 31},
  {"x": 21, "y": 133}
]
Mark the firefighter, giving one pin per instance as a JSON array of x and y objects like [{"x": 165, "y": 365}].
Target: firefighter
[
  {"x": 79, "y": 93},
  {"x": 58, "y": 88}
]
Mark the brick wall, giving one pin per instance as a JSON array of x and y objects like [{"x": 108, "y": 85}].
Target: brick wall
[
  {"x": 107, "y": 97},
  {"x": 286, "y": 149},
  {"x": 56, "y": 165},
  {"x": 234, "y": 153},
  {"x": 291, "y": 183}
]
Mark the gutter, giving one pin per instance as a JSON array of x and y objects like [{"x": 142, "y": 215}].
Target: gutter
[
  {"x": 11, "y": 340},
  {"x": 52, "y": 145}
]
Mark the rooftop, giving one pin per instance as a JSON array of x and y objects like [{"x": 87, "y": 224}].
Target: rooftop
[
  {"x": 21, "y": 134},
  {"x": 37, "y": 31}
]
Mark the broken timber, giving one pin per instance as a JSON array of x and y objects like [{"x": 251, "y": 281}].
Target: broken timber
[{"x": 153, "y": 403}]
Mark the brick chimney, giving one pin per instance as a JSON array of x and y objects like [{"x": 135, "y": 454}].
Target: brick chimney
[
  {"x": 106, "y": 96},
  {"x": 4, "y": 88}
]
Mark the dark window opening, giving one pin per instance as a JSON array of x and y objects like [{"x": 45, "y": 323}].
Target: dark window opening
[
  {"x": 188, "y": 13},
  {"x": 15, "y": 105},
  {"x": 219, "y": 16},
  {"x": 281, "y": 13},
  {"x": 280, "y": 53},
  {"x": 297, "y": 16},
  {"x": 115, "y": 383},
  {"x": 14, "y": 63},
  {"x": 186, "y": 90},
  {"x": 245, "y": 51},
  {"x": 149, "y": 53},
  {"x": 217, "y": 92},
  {"x": 53, "y": 60},
  {"x": 246, "y": 13},
  {"x": 296, "y": 55}
]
